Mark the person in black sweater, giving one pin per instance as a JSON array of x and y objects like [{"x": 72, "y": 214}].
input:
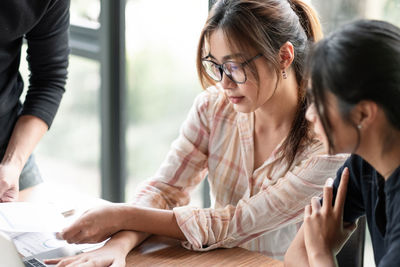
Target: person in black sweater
[
  {"x": 44, "y": 25},
  {"x": 355, "y": 108}
]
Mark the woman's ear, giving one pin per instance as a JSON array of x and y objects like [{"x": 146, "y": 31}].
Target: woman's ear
[
  {"x": 286, "y": 55},
  {"x": 365, "y": 114}
]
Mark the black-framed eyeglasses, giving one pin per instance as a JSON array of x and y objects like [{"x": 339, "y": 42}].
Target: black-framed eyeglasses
[{"x": 234, "y": 70}]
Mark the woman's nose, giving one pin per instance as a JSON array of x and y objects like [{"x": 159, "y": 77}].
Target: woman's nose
[{"x": 226, "y": 82}]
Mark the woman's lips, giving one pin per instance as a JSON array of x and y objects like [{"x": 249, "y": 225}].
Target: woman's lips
[{"x": 235, "y": 99}]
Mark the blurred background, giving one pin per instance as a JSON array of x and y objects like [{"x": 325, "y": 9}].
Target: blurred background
[{"x": 156, "y": 47}]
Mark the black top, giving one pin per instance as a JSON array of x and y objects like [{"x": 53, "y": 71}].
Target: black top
[
  {"x": 368, "y": 194},
  {"x": 44, "y": 24}
]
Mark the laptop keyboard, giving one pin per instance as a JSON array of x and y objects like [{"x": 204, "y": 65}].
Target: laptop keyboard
[{"x": 33, "y": 263}]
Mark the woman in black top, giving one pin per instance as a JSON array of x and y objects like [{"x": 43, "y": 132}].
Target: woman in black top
[{"x": 355, "y": 108}]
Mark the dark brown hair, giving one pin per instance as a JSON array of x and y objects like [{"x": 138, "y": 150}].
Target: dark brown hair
[
  {"x": 263, "y": 26},
  {"x": 361, "y": 61}
]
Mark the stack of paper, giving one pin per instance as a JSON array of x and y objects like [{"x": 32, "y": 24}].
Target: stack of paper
[
  {"x": 32, "y": 227},
  {"x": 19, "y": 217}
]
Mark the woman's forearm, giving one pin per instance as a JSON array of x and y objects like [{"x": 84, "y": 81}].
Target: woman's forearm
[
  {"x": 322, "y": 259},
  {"x": 127, "y": 240},
  {"x": 150, "y": 220}
]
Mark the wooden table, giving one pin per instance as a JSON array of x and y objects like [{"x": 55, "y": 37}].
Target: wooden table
[
  {"x": 162, "y": 251},
  {"x": 157, "y": 250}
]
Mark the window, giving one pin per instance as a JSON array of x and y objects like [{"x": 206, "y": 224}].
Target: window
[
  {"x": 162, "y": 79},
  {"x": 69, "y": 154},
  {"x": 337, "y": 12},
  {"x": 161, "y": 83},
  {"x": 85, "y": 13}
]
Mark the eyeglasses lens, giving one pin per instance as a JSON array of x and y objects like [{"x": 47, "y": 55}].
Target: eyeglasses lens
[
  {"x": 235, "y": 71},
  {"x": 212, "y": 70}
]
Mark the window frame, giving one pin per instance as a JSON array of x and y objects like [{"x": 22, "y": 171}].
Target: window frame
[{"x": 107, "y": 46}]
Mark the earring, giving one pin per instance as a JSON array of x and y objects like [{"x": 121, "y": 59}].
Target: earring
[
  {"x": 284, "y": 74},
  {"x": 359, "y": 126}
]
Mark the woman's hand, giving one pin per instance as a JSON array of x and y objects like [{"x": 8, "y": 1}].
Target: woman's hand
[
  {"x": 95, "y": 225},
  {"x": 324, "y": 231},
  {"x": 105, "y": 256},
  {"x": 113, "y": 253}
]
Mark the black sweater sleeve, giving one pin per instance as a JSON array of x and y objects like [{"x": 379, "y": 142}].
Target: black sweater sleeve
[
  {"x": 47, "y": 56},
  {"x": 354, "y": 204}
]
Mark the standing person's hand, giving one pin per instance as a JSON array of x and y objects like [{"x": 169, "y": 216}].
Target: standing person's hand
[
  {"x": 9, "y": 182},
  {"x": 324, "y": 230},
  {"x": 95, "y": 225}
]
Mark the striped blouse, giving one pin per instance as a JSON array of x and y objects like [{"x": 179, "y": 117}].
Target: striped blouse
[{"x": 260, "y": 210}]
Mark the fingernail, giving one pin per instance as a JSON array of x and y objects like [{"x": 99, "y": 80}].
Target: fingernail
[
  {"x": 329, "y": 182},
  {"x": 68, "y": 213}
]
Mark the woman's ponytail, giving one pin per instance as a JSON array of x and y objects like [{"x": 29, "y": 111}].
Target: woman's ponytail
[{"x": 308, "y": 18}]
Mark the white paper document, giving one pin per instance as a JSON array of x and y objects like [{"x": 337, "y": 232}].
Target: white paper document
[
  {"x": 21, "y": 217},
  {"x": 32, "y": 226},
  {"x": 29, "y": 244}
]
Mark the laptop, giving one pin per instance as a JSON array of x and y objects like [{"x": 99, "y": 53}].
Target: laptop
[{"x": 11, "y": 258}]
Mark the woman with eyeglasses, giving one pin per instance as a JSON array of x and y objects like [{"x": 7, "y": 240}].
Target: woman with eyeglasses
[
  {"x": 355, "y": 76},
  {"x": 246, "y": 132}
]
